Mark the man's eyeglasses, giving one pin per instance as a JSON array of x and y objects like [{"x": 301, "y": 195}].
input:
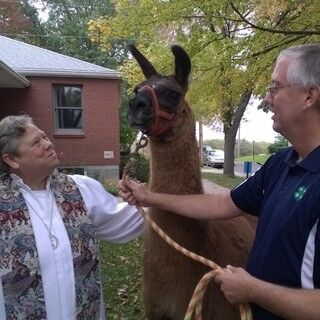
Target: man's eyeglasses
[{"x": 273, "y": 89}]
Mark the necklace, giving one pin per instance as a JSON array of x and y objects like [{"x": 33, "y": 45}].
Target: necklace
[{"x": 53, "y": 239}]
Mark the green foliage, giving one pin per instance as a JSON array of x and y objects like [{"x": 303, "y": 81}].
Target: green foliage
[
  {"x": 260, "y": 147},
  {"x": 154, "y": 24},
  {"x": 111, "y": 186},
  {"x": 127, "y": 134},
  {"x": 66, "y": 29},
  {"x": 121, "y": 269},
  {"x": 231, "y": 57},
  {"x": 215, "y": 143},
  {"x": 137, "y": 168},
  {"x": 279, "y": 144},
  {"x": 246, "y": 147}
]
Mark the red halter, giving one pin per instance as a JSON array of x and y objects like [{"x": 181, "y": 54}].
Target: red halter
[{"x": 169, "y": 118}]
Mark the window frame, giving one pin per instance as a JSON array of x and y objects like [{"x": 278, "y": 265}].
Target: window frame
[{"x": 66, "y": 131}]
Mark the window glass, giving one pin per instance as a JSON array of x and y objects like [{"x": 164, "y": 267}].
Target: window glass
[
  {"x": 68, "y": 107},
  {"x": 71, "y": 170}
]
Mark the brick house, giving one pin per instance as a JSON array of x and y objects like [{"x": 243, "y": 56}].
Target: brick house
[{"x": 75, "y": 102}]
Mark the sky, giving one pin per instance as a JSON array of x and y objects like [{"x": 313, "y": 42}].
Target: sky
[{"x": 257, "y": 127}]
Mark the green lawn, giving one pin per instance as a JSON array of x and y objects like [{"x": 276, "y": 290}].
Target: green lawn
[
  {"x": 261, "y": 158},
  {"x": 221, "y": 180},
  {"x": 121, "y": 268}
]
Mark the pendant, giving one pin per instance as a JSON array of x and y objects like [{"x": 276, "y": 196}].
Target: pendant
[{"x": 54, "y": 241}]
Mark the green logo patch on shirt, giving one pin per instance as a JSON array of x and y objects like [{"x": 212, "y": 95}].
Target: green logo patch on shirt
[{"x": 299, "y": 193}]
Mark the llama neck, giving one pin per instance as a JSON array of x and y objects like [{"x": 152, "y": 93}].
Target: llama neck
[{"x": 175, "y": 165}]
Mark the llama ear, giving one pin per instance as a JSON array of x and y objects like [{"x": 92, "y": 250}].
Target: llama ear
[
  {"x": 146, "y": 67},
  {"x": 182, "y": 65}
]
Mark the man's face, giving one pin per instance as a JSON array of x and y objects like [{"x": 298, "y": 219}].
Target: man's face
[
  {"x": 36, "y": 153},
  {"x": 286, "y": 100}
]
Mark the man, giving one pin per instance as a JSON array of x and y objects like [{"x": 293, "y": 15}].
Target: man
[
  {"x": 282, "y": 280},
  {"x": 49, "y": 227}
]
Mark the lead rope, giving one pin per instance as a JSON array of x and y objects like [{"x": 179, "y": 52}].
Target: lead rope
[{"x": 195, "y": 305}]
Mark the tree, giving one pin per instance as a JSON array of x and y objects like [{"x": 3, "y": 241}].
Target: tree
[
  {"x": 127, "y": 134},
  {"x": 232, "y": 54},
  {"x": 19, "y": 20},
  {"x": 279, "y": 144},
  {"x": 66, "y": 29},
  {"x": 214, "y": 143},
  {"x": 214, "y": 89},
  {"x": 279, "y": 11}
]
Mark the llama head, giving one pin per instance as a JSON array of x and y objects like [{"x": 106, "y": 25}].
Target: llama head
[{"x": 159, "y": 100}]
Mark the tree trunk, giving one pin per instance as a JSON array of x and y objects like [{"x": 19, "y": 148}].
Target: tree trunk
[{"x": 230, "y": 131}]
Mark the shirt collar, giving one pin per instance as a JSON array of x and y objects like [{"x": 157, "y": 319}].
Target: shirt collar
[{"x": 310, "y": 163}]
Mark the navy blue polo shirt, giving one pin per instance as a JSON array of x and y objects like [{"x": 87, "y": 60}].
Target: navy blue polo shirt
[{"x": 285, "y": 195}]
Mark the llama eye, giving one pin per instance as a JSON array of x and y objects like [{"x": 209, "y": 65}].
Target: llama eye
[{"x": 173, "y": 95}]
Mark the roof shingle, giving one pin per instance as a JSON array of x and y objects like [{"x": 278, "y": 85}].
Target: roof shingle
[{"x": 29, "y": 60}]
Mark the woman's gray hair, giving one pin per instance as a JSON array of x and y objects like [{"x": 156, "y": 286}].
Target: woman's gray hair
[
  {"x": 304, "y": 65},
  {"x": 12, "y": 128}
]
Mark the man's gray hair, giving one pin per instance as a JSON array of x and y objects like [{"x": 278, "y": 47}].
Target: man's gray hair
[
  {"x": 12, "y": 128},
  {"x": 304, "y": 67}
]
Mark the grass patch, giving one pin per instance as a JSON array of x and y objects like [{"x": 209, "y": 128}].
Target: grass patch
[
  {"x": 261, "y": 158},
  {"x": 222, "y": 180},
  {"x": 121, "y": 269}
]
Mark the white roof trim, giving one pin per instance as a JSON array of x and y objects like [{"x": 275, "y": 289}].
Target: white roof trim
[
  {"x": 69, "y": 73},
  {"x": 11, "y": 79}
]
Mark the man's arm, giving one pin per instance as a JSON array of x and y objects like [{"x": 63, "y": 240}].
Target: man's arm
[
  {"x": 217, "y": 206},
  {"x": 289, "y": 303}
]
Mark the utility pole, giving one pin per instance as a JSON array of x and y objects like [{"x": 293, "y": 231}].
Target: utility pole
[
  {"x": 200, "y": 141},
  {"x": 253, "y": 151}
]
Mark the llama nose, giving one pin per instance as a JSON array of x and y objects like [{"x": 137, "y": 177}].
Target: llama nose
[
  {"x": 137, "y": 111},
  {"x": 137, "y": 108},
  {"x": 140, "y": 102}
]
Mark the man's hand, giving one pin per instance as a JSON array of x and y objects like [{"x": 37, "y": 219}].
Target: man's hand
[
  {"x": 236, "y": 284},
  {"x": 133, "y": 192}
]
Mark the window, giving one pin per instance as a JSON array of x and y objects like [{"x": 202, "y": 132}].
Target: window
[
  {"x": 72, "y": 170},
  {"x": 68, "y": 107}
]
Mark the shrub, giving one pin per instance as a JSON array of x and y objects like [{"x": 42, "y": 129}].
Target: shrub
[
  {"x": 279, "y": 144},
  {"x": 138, "y": 168},
  {"x": 111, "y": 186}
]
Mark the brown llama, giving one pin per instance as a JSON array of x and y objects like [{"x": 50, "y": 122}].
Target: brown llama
[{"x": 159, "y": 110}]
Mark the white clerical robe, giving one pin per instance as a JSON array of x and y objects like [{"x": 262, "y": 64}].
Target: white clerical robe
[{"x": 113, "y": 221}]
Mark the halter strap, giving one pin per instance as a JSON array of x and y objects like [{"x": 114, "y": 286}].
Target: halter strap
[{"x": 169, "y": 118}]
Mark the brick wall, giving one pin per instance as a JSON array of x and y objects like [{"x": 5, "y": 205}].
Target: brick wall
[{"x": 100, "y": 121}]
